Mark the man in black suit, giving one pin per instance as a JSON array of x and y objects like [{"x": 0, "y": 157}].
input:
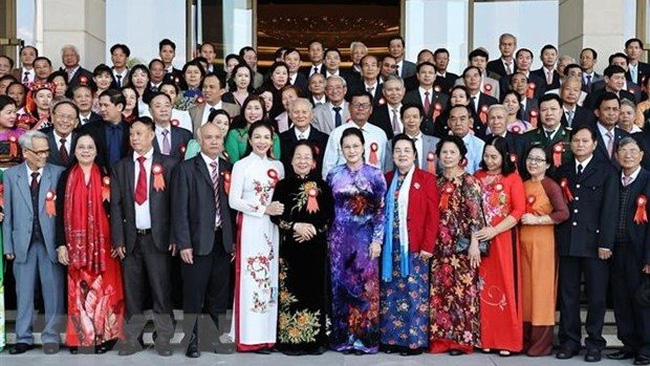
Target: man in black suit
[
  {"x": 504, "y": 65},
  {"x": 204, "y": 233},
  {"x": 140, "y": 227},
  {"x": 631, "y": 260},
  {"x": 61, "y": 136},
  {"x": 445, "y": 79},
  {"x": 547, "y": 72},
  {"x": 638, "y": 71},
  {"x": 167, "y": 52},
  {"x": 369, "y": 81},
  {"x": 70, "y": 58},
  {"x": 588, "y": 60},
  {"x": 82, "y": 96},
  {"x": 585, "y": 242},
  {"x": 411, "y": 82},
  {"x": 623, "y": 61},
  {"x": 170, "y": 140},
  {"x": 396, "y": 49},
  {"x": 573, "y": 114},
  {"x": 316, "y": 56},
  {"x": 120, "y": 54},
  {"x": 296, "y": 78},
  {"x": 426, "y": 97},
  {"x": 317, "y": 90},
  {"x": 301, "y": 115},
  {"x": 523, "y": 62},
  {"x": 333, "y": 67},
  {"x": 479, "y": 102},
  {"x": 519, "y": 82},
  {"x": 607, "y": 113},
  {"x": 614, "y": 82},
  {"x": 156, "y": 74},
  {"x": 497, "y": 124},
  {"x": 111, "y": 133},
  {"x": 387, "y": 115}
]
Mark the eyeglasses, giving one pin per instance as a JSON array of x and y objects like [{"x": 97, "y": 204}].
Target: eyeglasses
[
  {"x": 66, "y": 117},
  {"x": 536, "y": 160},
  {"x": 334, "y": 88},
  {"x": 40, "y": 153},
  {"x": 361, "y": 105},
  {"x": 632, "y": 152}
]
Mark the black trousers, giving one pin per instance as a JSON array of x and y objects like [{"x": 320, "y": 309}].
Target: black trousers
[
  {"x": 206, "y": 285},
  {"x": 632, "y": 320},
  {"x": 147, "y": 270},
  {"x": 596, "y": 274}
]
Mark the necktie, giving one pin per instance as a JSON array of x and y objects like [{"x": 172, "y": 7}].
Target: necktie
[
  {"x": 549, "y": 77},
  {"x": 569, "y": 117},
  {"x": 141, "y": 186},
  {"x": 85, "y": 120},
  {"x": 588, "y": 83},
  {"x": 508, "y": 68},
  {"x": 215, "y": 185},
  {"x": 34, "y": 183},
  {"x": 26, "y": 78},
  {"x": 549, "y": 134},
  {"x": 610, "y": 143},
  {"x": 397, "y": 69},
  {"x": 633, "y": 74},
  {"x": 371, "y": 90},
  {"x": 427, "y": 103},
  {"x": 63, "y": 152},
  {"x": 301, "y": 136},
  {"x": 474, "y": 103},
  {"x": 119, "y": 80},
  {"x": 315, "y": 71},
  {"x": 579, "y": 167},
  {"x": 337, "y": 116},
  {"x": 166, "y": 147},
  {"x": 70, "y": 74},
  {"x": 114, "y": 144},
  {"x": 626, "y": 180},
  {"x": 395, "y": 122}
]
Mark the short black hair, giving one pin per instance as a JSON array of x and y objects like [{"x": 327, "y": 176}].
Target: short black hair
[
  {"x": 147, "y": 121},
  {"x": 549, "y": 97},
  {"x": 460, "y": 144},
  {"x": 633, "y": 40},
  {"x": 606, "y": 96},
  {"x": 439, "y": 51},
  {"x": 214, "y": 49},
  {"x": 125, "y": 49},
  {"x": 468, "y": 68},
  {"x": 11, "y": 60},
  {"x": 578, "y": 128},
  {"x": 519, "y": 51},
  {"x": 65, "y": 102},
  {"x": 115, "y": 95},
  {"x": 618, "y": 54},
  {"x": 408, "y": 106},
  {"x": 571, "y": 66},
  {"x": 289, "y": 50},
  {"x": 332, "y": 49},
  {"x": 55, "y": 74},
  {"x": 425, "y": 63},
  {"x": 26, "y": 47},
  {"x": 478, "y": 53},
  {"x": 593, "y": 52},
  {"x": 43, "y": 58},
  {"x": 613, "y": 69},
  {"x": 393, "y": 38},
  {"x": 166, "y": 42},
  {"x": 216, "y": 113},
  {"x": 501, "y": 145},
  {"x": 156, "y": 60},
  {"x": 547, "y": 47},
  {"x": 360, "y": 93},
  {"x": 5, "y": 100},
  {"x": 245, "y": 49},
  {"x": 423, "y": 51},
  {"x": 279, "y": 52},
  {"x": 157, "y": 94}
]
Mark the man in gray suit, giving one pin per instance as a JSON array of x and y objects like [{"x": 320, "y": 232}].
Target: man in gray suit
[
  {"x": 425, "y": 145},
  {"x": 204, "y": 233},
  {"x": 212, "y": 101},
  {"x": 396, "y": 50},
  {"x": 29, "y": 231},
  {"x": 335, "y": 112}
]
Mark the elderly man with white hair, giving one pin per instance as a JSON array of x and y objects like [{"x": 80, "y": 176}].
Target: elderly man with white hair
[
  {"x": 358, "y": 51},
  {"x": 76, "y": 74},
  {"x": 498, "y": 126},
  {"x": 335, "y": 112}
]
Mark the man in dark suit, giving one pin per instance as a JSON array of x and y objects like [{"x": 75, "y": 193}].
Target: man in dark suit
[
  {"x": 550, "y": 133},
  {"x": 317, "y": 90},
  {"x": 504, "y": 65},
  {"x": 70, "y": 58},
  {"x": 638, "y": 71},
  {"x": 445, "y": 79},
  {"x": 204, "y": 234},
  {"x": 120, "y": 54},
  {"x": 497, "y": 124},
  {"x": 620, "y": 59},
  {"x": 614, "y": 82},
  {"x": 523, "y": 62},
  {"x": 301, "y": 115},
  {"x": 111, "y": 133},
  {"x": 588, "y": 60},
  {"x": 479, "y": 102},
  {"x": 61, "y": 136},
  {"x": 296, "y": 78},
  {"x": 411, "y": 82},
  {"x": 316, "y": 56},
  {"x": 167, "y": 52},
  {"x": 425, "y": 96},
  {"x": 585, "y": 242},
  {"x": 82, "y": 96},
  {"x": 547, "y": 72},
  {"x": 631, "y": 260},
  {"x": 396, "y": 49},
  {"x": 333, "y": 67},
  {"x": 607, "y": 113},
  {"x": 387, "y": 115},
  {"x": 369, "y": 80},
  {"x": 425, "y": 145},
  {"x": 25, "y": 74},
  {"x": 170, "y": 140},
  {"x": 573, "y": 114},
  {"x": 140, "y": 228}
]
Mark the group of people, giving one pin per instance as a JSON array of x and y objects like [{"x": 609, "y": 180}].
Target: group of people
[{"x": 392, "y": 206}]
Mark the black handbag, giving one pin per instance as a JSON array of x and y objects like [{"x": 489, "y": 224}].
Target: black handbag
[
  {"x": 462, "y": 246},
  {"x": 642, "y": 295}
]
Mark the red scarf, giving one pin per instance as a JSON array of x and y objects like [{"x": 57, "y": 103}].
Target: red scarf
[{"x": 87, "y": 233}]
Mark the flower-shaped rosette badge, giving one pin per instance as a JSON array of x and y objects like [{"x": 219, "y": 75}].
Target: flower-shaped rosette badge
[
  {"x": 106, "y": 189},
  {"x": 158, "y": 178},
  {"x": 273, "y": 174},
  {"x": 50, "y": 207}
]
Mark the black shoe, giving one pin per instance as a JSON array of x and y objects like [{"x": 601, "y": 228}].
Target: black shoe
[
  {"x": 387, "y": 348},
  {"x": 164, "y": 350},
  {"x": 193, "y": 349},
  {"x": 621, "y": 354},
  {"x": 294, "y": 353},
  {"x": 592, "y": 355},
  {"x": 642, "y": 360},
  {"x": 455, "y": 352},
  {"x": 51, "y": 348},
  {"x": 411, "y": 352},
  {"x": 347, "y": 351},
  {"x": 358, "y": 352},
  {"x": 565, "y": 354},
  {"x": 19, "y": 348},
  {"x": 73, "y": 350},
  {"x": 263, "y": 351},
  {"x": 128, "y": 349},
  {"x": 318, "y": 351}
]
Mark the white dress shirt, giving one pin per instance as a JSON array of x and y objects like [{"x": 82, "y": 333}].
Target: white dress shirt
[
  {"x": 31, "y": 75},
  {"x": 317, "y": 101},
  {"x": 584, "y": 163},
  {"x": 68, "y": 142},
  {"x": 305, "y": 135},
  {"x": 160, "y": 137},
  {"x": 142, "y": 212},
  {"x": 318, "y": 68},
  {"x": 29, "y": 175},
  {"x": 206, "y": 111}
]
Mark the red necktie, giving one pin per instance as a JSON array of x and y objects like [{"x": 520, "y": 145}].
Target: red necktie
[
  {"x": 427, "y": 103},
  {"x": 63, "y": 152},
  {"x": 141, "y": 187}
]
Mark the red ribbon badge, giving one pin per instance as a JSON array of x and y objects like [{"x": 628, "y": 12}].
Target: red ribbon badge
[
  {"x": 431, "y": 162},
  {"x": 641, "y": 215},
  {"x": 530, "y": 92},
  {"x": 182, "y": 149},
  {"x": 2, "y": 195},
  {"x": 274, "y": 177},
  {"x": 533, "y": 118},
  {"x": 83, "y": 80},
  {"x": 488, "y": 89},
  {"x": 175, "y": 123},
  {"x": 176, "y": 80},
  {"x": 558, "y": 149},
  {"x": 564, "y": 183},
  {"x": 447, "y": 190},
  {"x": 158, "y": 179},
  {"x": 374, "y": 160},
  {"x": 516, "y": 129},
  {"x": 50, "y": 208},
  {"x": 316, "y": 150},
  {"x": 437, "y": 88},
  {"x": 225, "y": 155},
  {"x": 382, "y": 101},
  {"x": 530, "y": 201},
  {"x": 514, "y": 158},
  {"x": 199, "y": 100},
  {"x": 13, "y": 146},
  {"x": 312, "y": 204},
  {"x": 437, "y": 109},
  {"x": 498, "y": 187},
  {"x": 106, "y": 189},
  {"x": 226, "y": 181},
  {"x": 483, "y": 115}
]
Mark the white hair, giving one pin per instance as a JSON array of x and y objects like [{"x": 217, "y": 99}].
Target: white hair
[
  {"x": 336, "y": 77},
  {"x": 26, "y": 139},
  {"x": 70, "y": 47},
  {"x": 357, "y": 44}
]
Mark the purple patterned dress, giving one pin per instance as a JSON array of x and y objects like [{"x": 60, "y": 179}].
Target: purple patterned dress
[{"x": 358, "y": 221}]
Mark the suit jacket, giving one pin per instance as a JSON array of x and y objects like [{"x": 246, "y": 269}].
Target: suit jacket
[
  {"x": 630, "y": 87},
  {"x": 413, "y": 97},
  {"x": 429, "y": 144},
  {"x": 491, "y": 87},
  {"x": 288, "y": 141},
  {"x": 422, "y": 215},
  {"x": 196, "y": 113},
  {"x": 360, "y": 86},
  {"x": 92, "y": 118},
  {"x": 76, "y": 78},
  {"x": 638, "y": 234},
  {"x": 55, "y": 157},
  {"x": 98, "y": 132},
  {"x": 323, "y": 119},
  {"x": 123, "y": 229},
  {"x": 180, "y": 138},
  {"x": 516, "y": 145},
  {"x": 175, "y": 76},
  {"x": 408, "y": 69},
  {"x": 19, "y": 213},
  {"x": 595, "y": 78},
  {"x": 590, "y": 225},
  {"x": 496, "y": 66},
  {"x": 306, "y": 70},
  {"x": 592, "y": 98},
  {"x": 445, "y": 83},
  {"x": 643, "y": 71},
  {"x": 302, "y": 84},
  {"x": 601, "y": 149},
  {"x": 383, "y": 118},
  {"x": 531, "y": 105},
  {"x": 194, "y": 209},
  {"x": 540, "y": 85},
  {"x": 484, "y": 102},
  {"x": 540, "y": 73},
  {"x": 581, "y": 116}
]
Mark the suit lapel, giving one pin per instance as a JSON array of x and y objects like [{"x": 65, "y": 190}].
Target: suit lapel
[
  {"x": 203, "y": 170},
  {"x": 130, "y": 178},
  {"x": 588, "y": 171},
  {"x": 43, "y": 188},
  {"x": 23, "y": 186}
]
